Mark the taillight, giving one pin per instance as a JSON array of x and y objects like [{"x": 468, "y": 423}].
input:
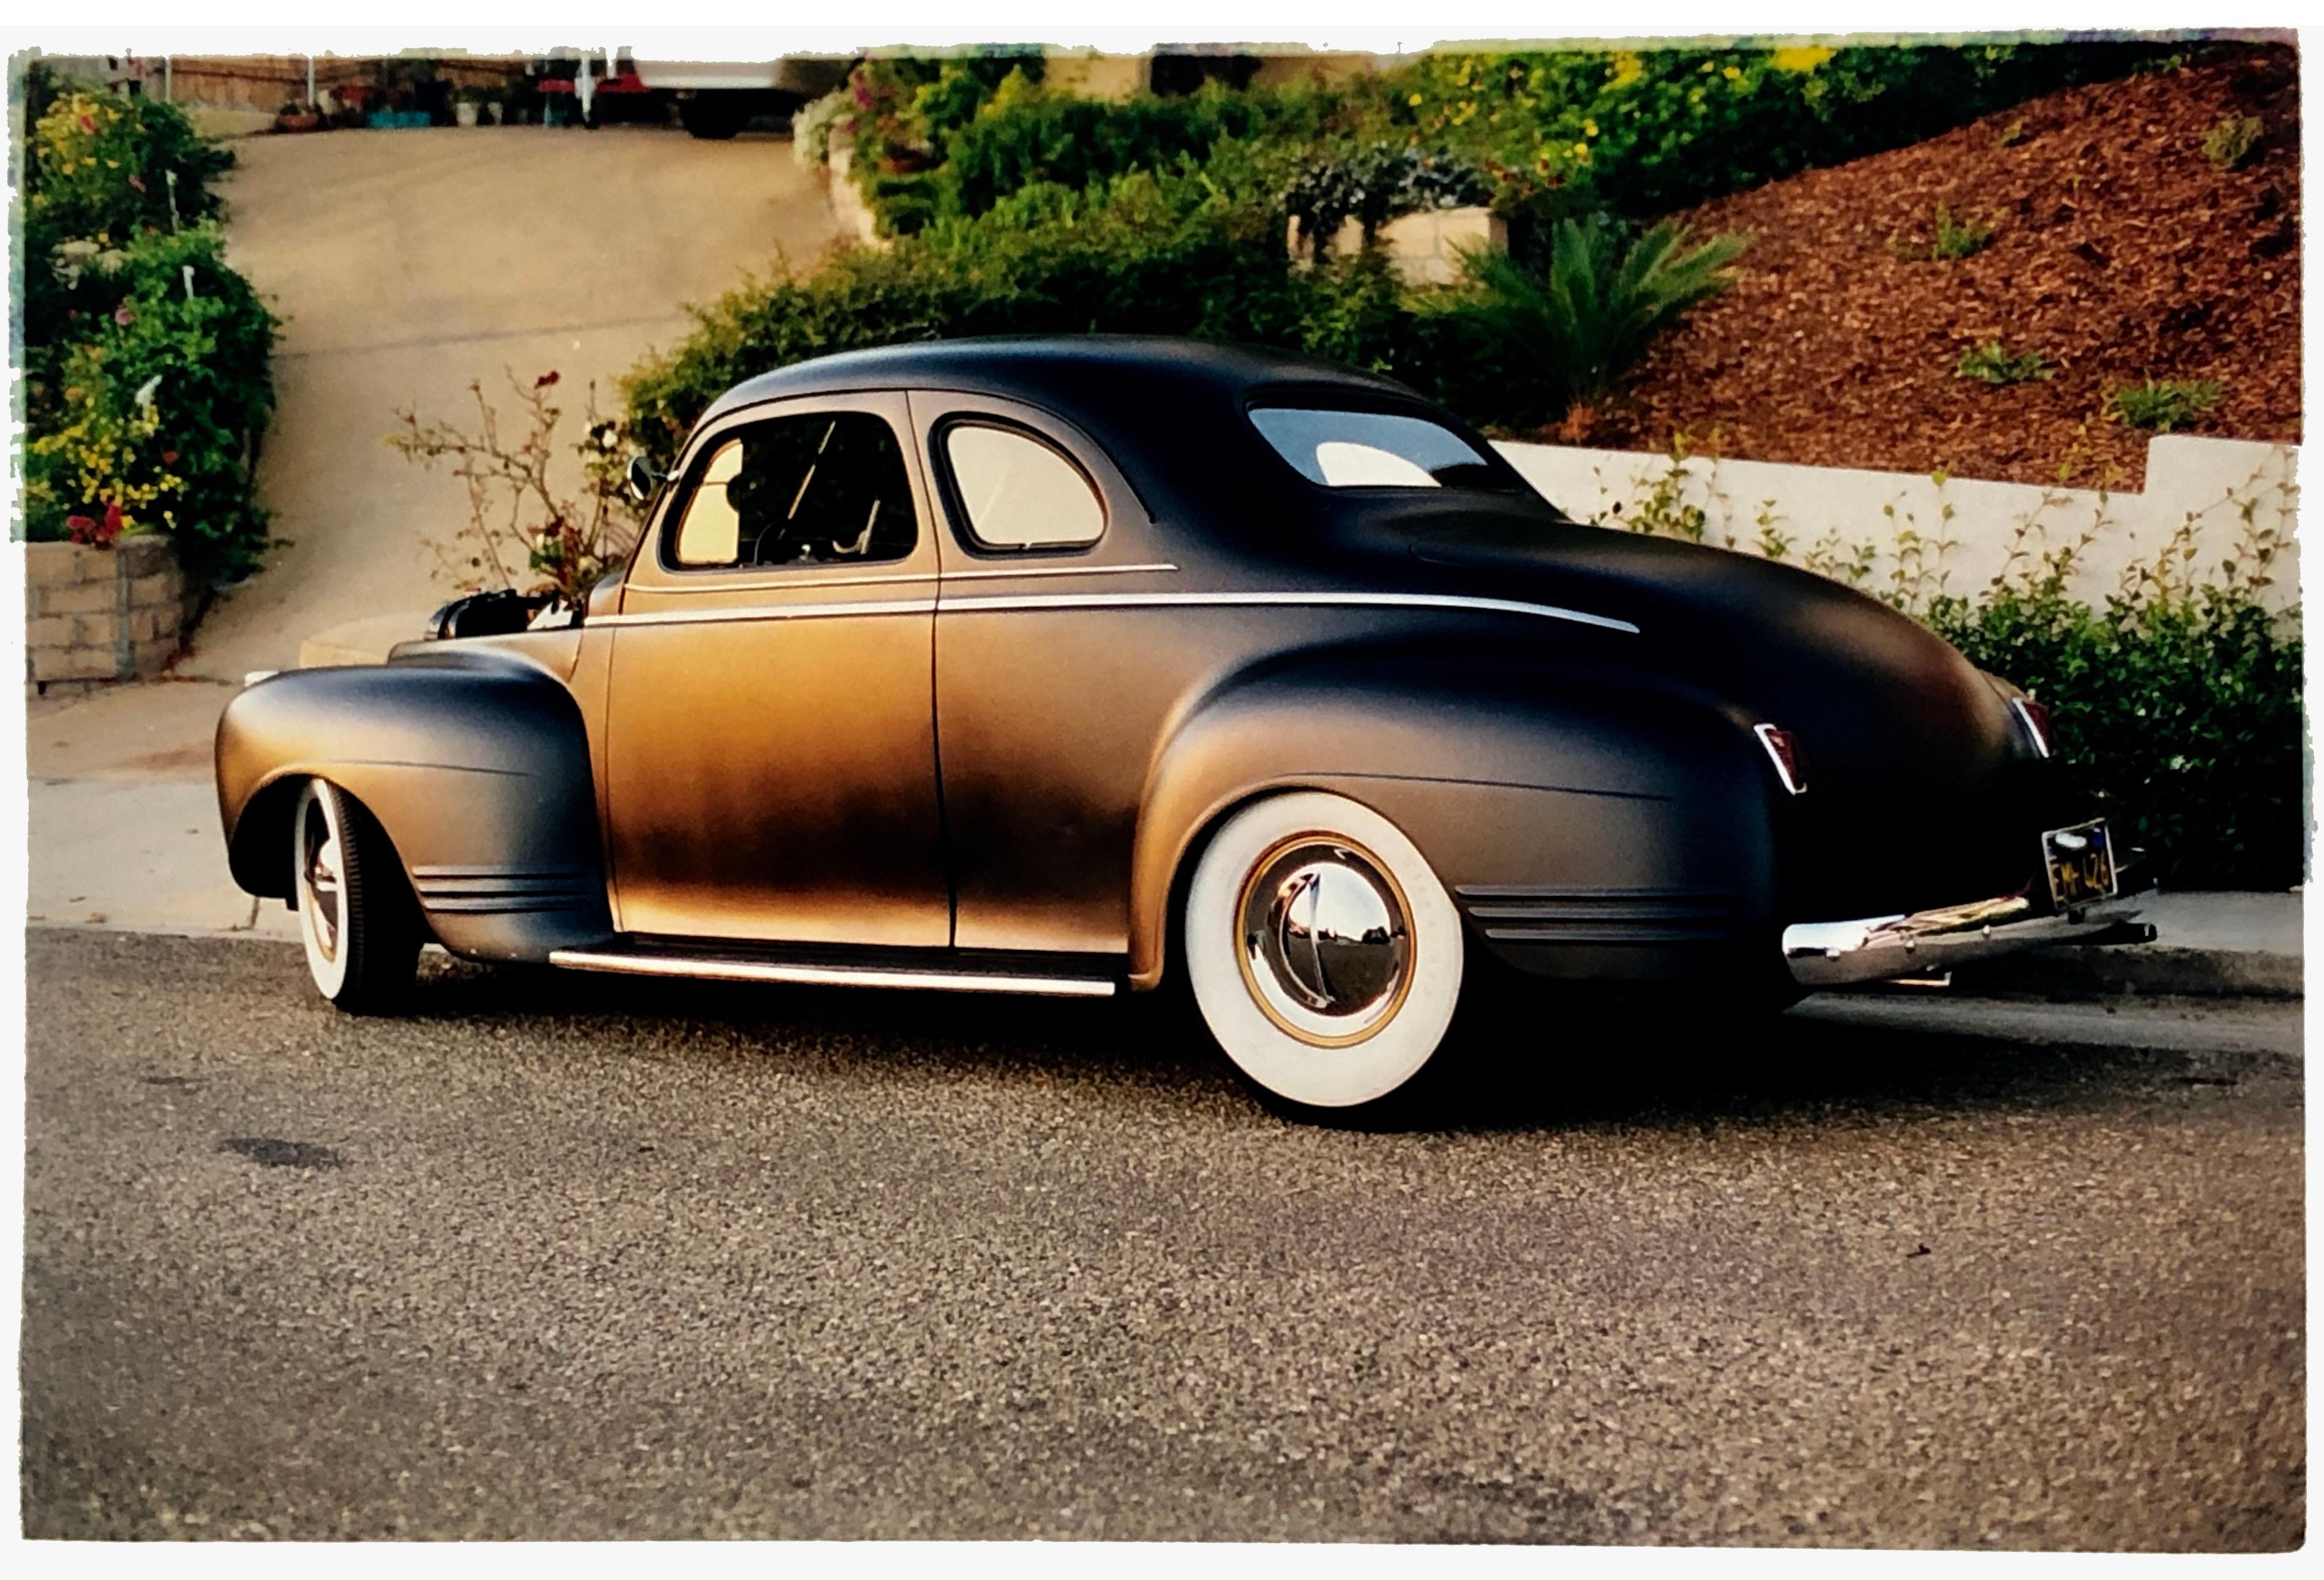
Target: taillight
[
  {"x": 1784, "y": 751},
  {"x": 2036, "y": 720}
]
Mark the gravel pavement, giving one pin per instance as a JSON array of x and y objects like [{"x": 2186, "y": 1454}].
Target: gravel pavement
[{"x": 573, "y": 1257}]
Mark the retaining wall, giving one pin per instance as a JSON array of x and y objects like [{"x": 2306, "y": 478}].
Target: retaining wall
[
  {"x": 94, "y": 615},
  {"x": 2216, "y": 497}
]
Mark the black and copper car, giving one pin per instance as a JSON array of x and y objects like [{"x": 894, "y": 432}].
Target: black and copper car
[{"x": 1060, "y": 666}]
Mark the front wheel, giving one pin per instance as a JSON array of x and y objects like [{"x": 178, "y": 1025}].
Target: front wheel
[
  {"x": 357, "y": 917},
  {"x": 1323, "y": 951}
]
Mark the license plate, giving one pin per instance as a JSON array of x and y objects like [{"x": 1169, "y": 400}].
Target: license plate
[{"x": 2081, "y": 861}]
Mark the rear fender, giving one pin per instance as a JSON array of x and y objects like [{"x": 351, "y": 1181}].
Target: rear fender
[
  {"x": 476, "y": 764},
  {"x": 1639, "y": 822}
]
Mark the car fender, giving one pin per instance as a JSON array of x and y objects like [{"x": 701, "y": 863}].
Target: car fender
[
  {"x": 1637, "y": 824},
  {"x": 475, "y": 761}
]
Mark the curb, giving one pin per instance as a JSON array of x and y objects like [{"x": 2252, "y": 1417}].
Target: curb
[{"x": 2111, "y": 971}]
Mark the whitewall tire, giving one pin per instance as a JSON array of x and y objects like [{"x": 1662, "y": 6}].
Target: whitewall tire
[
  {"x": 356, "y": 919},
  {"x": 1323, "y": 953}
]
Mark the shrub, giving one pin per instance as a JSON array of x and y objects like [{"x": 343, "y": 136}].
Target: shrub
[
  {"x": 153, "y": 406},
  {"x": 1563, "y": 338},
  {"x": 2162, "y": 404},
  {"x": 1647, "y": 132},
  {"x": 107, "y": 165},
  {"x": 2183, "y": 714},
  {"x": 2230, "y": 144},
  {"x": 1141, "y": 254},
  {"x": 1990, "y": 363},
  {"x": 523, "y": 526}
]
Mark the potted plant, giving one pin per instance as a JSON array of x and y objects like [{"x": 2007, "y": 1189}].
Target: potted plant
[
  {"x": 467, "y": 105},
  {"x": 295, "y": 117}
]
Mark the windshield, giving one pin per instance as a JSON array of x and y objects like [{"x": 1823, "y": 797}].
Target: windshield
[{"x": 1375, "y": 450}]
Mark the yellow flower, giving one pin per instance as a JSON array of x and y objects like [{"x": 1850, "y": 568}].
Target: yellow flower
[
  {"x": 1733, "y": 74},
  {"x": 1627, "y": 68},
  {"x": 1709, "y": 67},
  {"x": 1800, "y": 57},
  {"x": 1589, "y": 128},
  {"x": 1582, "y": 151},
  {"x": 1413, "y": 101}
]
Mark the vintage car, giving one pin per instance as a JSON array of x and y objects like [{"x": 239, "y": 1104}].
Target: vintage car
[{"x": 1054, "y": 666}]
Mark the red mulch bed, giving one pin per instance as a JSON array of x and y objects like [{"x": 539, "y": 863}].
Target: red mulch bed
[{"x": 2121, "y": 252}]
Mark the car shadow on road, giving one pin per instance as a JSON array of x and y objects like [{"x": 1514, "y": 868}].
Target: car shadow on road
[{"x": 1540, "y": 1064}]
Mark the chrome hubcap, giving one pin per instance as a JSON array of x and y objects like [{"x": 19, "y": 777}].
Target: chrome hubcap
[
  {"x": 319, "y": 876},
  {"x": 1326, "y": 940}
]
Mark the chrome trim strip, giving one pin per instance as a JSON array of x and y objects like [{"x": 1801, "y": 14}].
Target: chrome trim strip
[
  {"x": 985, "y": 605},
  {"x": 954, "y": 576},
  {"x": 1245, "y": 600},
  {"x": 1829, "y": 954},
  {"x": 769, "y": 612},
  {"x": 791, "y": 583},
  {"x": 829, "y": 976}
]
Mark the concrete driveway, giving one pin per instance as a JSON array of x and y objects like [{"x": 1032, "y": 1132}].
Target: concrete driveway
[{"x": 406, "y": 264}]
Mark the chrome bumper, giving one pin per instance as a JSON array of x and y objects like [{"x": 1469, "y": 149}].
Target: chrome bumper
[{"x": 1831, "y": 953}]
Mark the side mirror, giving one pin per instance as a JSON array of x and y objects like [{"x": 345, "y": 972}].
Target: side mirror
[{"x": 642, "y": 478}]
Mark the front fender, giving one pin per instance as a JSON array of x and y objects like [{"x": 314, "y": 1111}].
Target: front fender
[
  {"x": 1636, "y": 827},
  {"x": 476, "y": 764}
]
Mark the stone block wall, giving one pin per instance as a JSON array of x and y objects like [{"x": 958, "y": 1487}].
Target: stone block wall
[{"x": 94, "y": 615}]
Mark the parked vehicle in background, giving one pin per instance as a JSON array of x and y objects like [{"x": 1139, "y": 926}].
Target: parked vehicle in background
[{"x": 713, "y": 99}]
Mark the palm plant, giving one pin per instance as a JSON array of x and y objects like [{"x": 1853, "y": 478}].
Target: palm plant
[{"x": 1568, "y": 334}]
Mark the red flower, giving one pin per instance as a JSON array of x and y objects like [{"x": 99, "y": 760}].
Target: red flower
[
  {"x": 545, "y": 380},
  {"x": 93, "y": 532},
  {"x": 86, "y": 125},
  {"x": 123, "y": 316},
  {"x": 168, "y": 458}
]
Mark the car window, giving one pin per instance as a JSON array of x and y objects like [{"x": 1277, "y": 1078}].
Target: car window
[
  {"x": 820, "y": 488},
  {"x": 1018, "y": 493},
  {"x": 1374, "y": 450}
]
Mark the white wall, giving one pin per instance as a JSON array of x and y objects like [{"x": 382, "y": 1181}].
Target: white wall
[{"x": 2212, "y": 493}]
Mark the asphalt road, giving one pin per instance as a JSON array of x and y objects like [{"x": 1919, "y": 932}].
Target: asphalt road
[{"x": 572, "y": 1257}]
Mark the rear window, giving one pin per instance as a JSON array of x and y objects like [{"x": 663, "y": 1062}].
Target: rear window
[{"x": 1374, "y": 450}]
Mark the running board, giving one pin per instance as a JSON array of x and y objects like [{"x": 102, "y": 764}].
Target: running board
[{"x": 737, "y": 970}]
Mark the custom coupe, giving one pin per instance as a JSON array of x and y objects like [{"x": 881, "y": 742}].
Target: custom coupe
[{"x": 1054, "y": 666}]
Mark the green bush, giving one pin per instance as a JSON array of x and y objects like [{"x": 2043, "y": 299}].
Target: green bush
[
  {"x": 2184, "y": 713},
  {"x": 1565, "y": 338},
  {"x": 1647, "y": 132},
  {"x": 1142, "y": 255},
  {"x": 145, "y": 356},
  {"x": 2162, "y": 404}
]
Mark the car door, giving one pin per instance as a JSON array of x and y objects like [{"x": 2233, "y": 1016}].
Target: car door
[
  {"x": 771, "y": 749},
  {"x": 1058, "y": 659}
]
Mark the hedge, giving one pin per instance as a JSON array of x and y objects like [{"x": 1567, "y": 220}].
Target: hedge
[{"x": 145, "y": 356}]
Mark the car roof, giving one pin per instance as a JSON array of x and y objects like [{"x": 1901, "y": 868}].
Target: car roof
[{"x": 1071, "y": 370}]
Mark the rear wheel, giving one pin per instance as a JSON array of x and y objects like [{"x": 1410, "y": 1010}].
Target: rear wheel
[
  {"x": 1323, "y": 953},
  {"x": 357, "y": 917}
]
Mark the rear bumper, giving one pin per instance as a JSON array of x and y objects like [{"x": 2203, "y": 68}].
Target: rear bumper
[{"x": 1832, "y": 954}]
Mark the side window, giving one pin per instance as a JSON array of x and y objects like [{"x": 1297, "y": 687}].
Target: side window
[
  {"x": 821, "y": 488},
  {"x": 1017, "y": 492}
]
